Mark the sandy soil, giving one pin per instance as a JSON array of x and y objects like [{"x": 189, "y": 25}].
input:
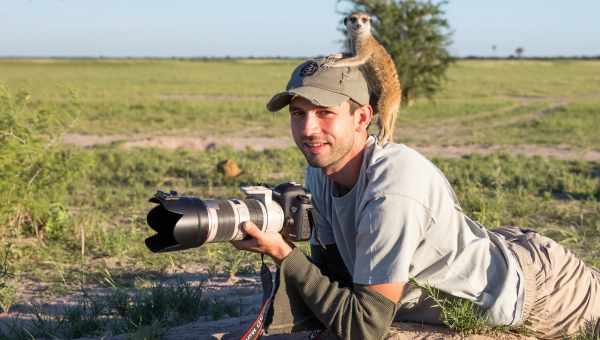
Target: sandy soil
[
  {"x": 245, "y": 291},
  {"x": 178, "y": 142},
  {"x": 259, "y": 143},
  {"x": 233, "y": 328}
]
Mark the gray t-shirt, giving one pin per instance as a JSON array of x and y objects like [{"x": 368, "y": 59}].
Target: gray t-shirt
[{"x": 402, "y": 220}]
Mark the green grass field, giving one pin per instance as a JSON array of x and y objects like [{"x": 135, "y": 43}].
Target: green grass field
[
  {"x": 75, "y": 217},
  {"x": 487, "y": 102}
]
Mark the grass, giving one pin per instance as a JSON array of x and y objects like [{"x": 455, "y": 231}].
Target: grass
[
  {"x": 587, "y": 333},
  {"x": 111, "y": 204},
  {"x": 165, "y": 95},
  {"x": 144, "y": 313},
  {"x": 176, "y": 97},
  {"x": 460, "y": 315},
  {"x": 7, "y": 289},
  {"x": 557, "y": 197},
  {"x": 85, "y": 208}
]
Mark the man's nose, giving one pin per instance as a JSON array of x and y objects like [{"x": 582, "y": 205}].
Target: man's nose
[{"x": 311, "y": 123}]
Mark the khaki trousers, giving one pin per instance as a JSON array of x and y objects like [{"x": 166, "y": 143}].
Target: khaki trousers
[{"x": 562, "y": 294}]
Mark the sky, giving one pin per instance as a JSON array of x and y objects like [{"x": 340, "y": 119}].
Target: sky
[{"x": 193, "y": 28}]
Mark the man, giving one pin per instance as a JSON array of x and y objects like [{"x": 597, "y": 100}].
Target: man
[{"x": 385, "y": 215}]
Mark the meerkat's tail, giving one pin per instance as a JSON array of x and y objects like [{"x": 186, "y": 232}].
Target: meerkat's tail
[{"x": 387, "y": 107}]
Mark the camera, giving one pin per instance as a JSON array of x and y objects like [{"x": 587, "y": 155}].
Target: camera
[{"x": 183, "y": 222}]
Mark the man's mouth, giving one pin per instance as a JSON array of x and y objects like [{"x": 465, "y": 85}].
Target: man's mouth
[{"x": 314, "y": 147}]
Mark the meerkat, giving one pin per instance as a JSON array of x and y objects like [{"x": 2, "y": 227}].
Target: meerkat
[{"x": 379, "y": 70}]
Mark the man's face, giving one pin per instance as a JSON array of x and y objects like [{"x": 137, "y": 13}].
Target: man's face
[{"x": 326, "y": 135}]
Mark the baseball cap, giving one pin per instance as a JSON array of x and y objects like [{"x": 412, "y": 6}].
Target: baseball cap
[{"x": 323, "y": 85}]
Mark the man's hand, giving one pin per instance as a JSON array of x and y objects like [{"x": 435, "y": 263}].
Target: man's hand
[{"x": 271, "y": 244}]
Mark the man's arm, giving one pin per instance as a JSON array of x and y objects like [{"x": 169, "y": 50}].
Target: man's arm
[
  {"x": 360, "y": 312},
  {"x": 330, "y": 262}
]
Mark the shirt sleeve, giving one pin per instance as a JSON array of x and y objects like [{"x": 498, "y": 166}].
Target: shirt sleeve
[
  {"x": 390, "y": 229},
  {"x": 355, "y": 312}
]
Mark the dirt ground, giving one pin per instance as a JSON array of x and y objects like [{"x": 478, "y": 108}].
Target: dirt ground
[
  {"x": 247, "y": 292},
  {"x": 233, "y": 328},
  {"x": 202, "y": 143}
]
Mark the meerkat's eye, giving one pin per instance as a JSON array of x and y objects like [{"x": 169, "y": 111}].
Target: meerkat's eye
[
  {"x": 353, "y": 20},
  {"x": 364, "y": 20}
]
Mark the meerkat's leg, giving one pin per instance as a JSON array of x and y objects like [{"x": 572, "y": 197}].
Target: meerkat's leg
[
  {"x": 357, "y": 60},
  {"x": 335, "y": 56},
  {"x": 332, "y": 58},
  {"x": 387, "y": 107}
]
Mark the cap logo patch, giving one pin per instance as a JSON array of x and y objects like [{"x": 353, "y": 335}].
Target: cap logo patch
[{"x": 309, "y": 69}]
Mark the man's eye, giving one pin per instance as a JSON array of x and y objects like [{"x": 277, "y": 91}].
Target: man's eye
[
  {"x": 296, "y": 113},
  {"x": 325, "y": 113}
]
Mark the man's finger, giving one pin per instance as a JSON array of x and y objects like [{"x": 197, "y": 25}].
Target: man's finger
[
  {"x": 251, "y": 229},
  {"x": 245, "y": 245}
]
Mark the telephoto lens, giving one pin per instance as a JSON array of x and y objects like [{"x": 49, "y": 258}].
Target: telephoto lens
[{"x": 186, "y": 222}]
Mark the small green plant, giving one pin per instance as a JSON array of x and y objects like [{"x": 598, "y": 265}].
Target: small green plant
[
  {"x": 167, "y": 305},
  {"x": 7, "y": 289},
  {"x": 590, "y": 331},
  {"x": 37, "y": 173},
  {"x": 86, "y": 317},
  {"x": 145, "y": 314},
  {"x": 460, "y": 315},
  {"x": 153, "y": 331}
]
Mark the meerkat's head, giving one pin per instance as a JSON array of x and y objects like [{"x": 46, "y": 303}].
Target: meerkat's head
[{"x": 358, "y": 23}]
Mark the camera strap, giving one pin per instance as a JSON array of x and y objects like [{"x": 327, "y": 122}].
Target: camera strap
[{"x": 256, "y": 328}]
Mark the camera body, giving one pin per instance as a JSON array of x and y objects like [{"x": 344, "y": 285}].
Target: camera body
[{"x": 183, "y": 222}]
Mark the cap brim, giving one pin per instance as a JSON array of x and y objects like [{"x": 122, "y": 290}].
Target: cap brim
[{"x": 315, "y": 95}]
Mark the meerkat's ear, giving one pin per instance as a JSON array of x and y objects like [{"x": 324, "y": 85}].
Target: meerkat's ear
[{"x": 345, "y": 21}]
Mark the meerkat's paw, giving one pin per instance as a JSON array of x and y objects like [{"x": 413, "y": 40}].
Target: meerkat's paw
[
  {"x": 332, "y": 58},
  {"x": 335, "y": 56}
]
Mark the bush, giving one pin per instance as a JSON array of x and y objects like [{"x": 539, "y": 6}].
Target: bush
[
  {"x": 38, "y": 174},
  {"x": 417, "y": 36}
]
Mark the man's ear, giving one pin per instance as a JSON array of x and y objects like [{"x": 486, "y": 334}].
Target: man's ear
[{"x": 363, "y": 116}]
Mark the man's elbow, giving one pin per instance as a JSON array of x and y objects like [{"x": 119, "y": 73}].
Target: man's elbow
[{"x": 392, "y": 291}]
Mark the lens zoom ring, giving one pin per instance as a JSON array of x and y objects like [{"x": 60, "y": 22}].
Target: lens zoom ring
[
  {"x": 226, "y": 222},
  {"x": 256, "y": 212}
]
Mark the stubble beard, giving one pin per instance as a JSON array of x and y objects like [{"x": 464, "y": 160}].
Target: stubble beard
[{"x": 337, "y": 151}]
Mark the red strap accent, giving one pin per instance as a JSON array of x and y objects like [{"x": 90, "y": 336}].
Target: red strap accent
[{"x": 255, "y": 330}]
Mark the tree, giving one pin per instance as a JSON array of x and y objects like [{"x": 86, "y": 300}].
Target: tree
[
  {"x": 519, "y": 51},
  {"x": 417, "y": 35}
]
